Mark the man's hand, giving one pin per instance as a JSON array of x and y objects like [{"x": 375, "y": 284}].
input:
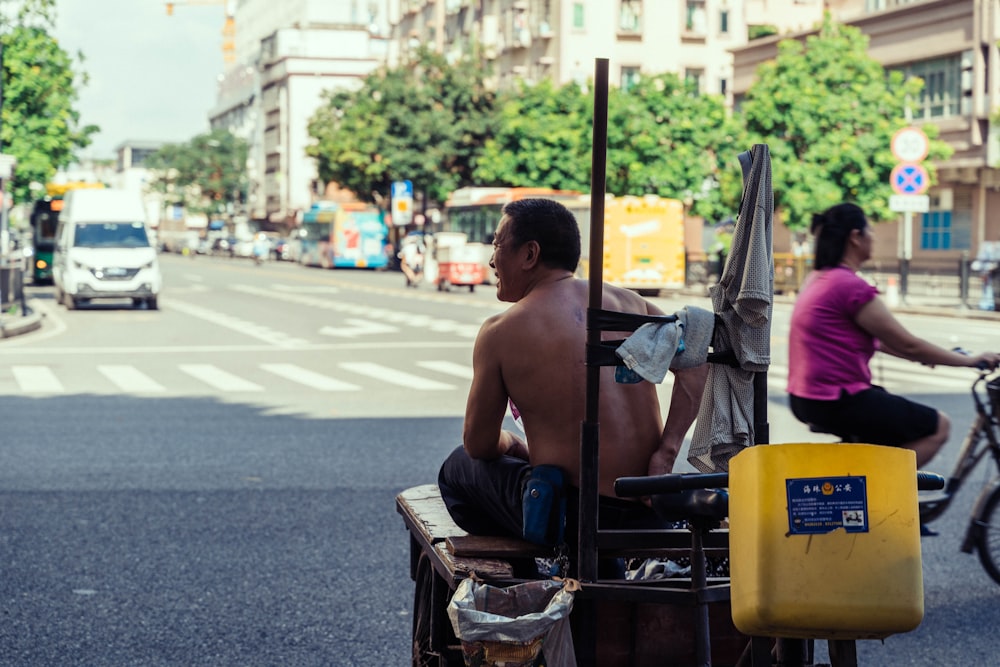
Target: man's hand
[
  {"x": 662, "y": 462},
  {"x": 516, "y": 447}
]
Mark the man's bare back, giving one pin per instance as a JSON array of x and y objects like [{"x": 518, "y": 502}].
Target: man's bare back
[{"x": 539, "y": 347}]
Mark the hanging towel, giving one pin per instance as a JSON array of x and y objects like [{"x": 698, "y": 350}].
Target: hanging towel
[
  {"x": 654, "y": 348},
  {"x": 743, "y": 301}
]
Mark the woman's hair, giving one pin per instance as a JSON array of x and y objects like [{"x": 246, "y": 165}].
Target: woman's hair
[
  {"x": 832, "y": 228},
  {"x": 549, "y": 223}
]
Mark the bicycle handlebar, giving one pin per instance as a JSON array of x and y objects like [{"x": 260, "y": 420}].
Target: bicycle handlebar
[
  {"x": 633, "y": 487},
  {"x": 929, "y": 481}
]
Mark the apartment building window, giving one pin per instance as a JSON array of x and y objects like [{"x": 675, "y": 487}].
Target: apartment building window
[
  {"x": 630, "y": 16},
  {"x": 695, "y": 77},
  {"x": 630, "y": 77},
  {"x": 723, "y": 86},
  {"x": 578, "y": 15},
  {"x": 724, "y": 22},
  {"x": 947, "y": 228},
  {"x": 942, "y": 92},
  {"x": 695, "y": 20}
]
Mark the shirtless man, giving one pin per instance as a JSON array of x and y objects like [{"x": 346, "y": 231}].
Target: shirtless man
[{"x": 533, "y": 355}]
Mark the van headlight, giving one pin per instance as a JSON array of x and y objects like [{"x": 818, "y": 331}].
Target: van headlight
[
  {"x": 80, "y": 265},
  {"x": 148, "y": 265}
]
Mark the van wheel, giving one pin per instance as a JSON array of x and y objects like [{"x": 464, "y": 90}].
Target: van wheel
[
  {"x": 151, "y": 303},
  {"x": 70, "y": 302}
]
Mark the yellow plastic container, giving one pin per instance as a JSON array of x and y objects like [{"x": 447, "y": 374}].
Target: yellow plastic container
[{"x": 824, "y": 541}]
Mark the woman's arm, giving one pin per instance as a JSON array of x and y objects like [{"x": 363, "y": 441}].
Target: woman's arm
[{"x": 875, "y": 318}]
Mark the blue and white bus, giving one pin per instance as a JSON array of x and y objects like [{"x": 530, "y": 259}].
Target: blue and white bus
[{"x": 343, "y": 236}]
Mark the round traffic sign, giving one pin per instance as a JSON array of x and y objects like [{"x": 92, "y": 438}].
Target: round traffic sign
[
  {"x": 909, "y": 179},
  {"x": 910, "y": 144}
]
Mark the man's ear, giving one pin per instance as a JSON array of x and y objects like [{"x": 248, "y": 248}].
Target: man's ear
[{"x": 532, "y": 253}]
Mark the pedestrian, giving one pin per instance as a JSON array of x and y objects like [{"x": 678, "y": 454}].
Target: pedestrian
[
  {"x": 838, "y": 323},
  {"x": 411, "y": 256}
]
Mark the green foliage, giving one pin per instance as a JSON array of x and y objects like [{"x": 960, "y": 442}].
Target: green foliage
[
  {"x": 39, "y": 125},
  {"x": 828, "y": 112},
  {"x": 543, "y": 139},
  {"x": 665, "y": 138},
  {"x": 761, "y": 31},
  {"x": 204, "y": 174},
  {"x": 424, "y": 122}
]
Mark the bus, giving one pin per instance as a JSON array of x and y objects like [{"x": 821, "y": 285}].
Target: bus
[
  {"x": 44, "y": 219},
  {"x": 643, "y": 236},
  {"x": 343, "y": 236},
  {"x": 475, "y": 212}
]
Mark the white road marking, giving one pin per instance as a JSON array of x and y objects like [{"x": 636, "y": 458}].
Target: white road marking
[
  {"x": 448, "y": 368},
  {"x": 218, "y": 378},
  {"x": 309, "y": 378},
  {"x": 130, "y": 379},
  {"x": 37, "y": 380},
  {"x": 358, "y": 328},
  {"x": 370, "y": 312},
  {"x": 394, "y": 376},
  {"x": 258, "y": 331}
]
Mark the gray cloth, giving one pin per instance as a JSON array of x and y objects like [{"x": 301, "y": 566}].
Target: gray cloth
[
  {"x": 654, "y": 348},
  {"x": 743, "y": 301}
]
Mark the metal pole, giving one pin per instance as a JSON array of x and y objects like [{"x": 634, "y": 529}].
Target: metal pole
[
  {"x": 963, "y": 279},
  {"x": 589, "y": 457}
]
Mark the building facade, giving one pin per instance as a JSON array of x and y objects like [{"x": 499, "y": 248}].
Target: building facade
[
  {"x": 286, "y": 56},
  {"x": 952, "y": 46}
]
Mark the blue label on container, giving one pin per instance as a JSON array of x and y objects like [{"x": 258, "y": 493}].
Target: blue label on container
[{"x": 819, "y": 505}]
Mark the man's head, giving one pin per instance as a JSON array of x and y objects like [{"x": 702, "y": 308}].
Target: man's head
[
  {"x": 533, "y": 235},
  {"x": 550, "y": 224}
]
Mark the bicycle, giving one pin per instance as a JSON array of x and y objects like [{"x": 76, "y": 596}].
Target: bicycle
[{"x": 983, "y": 534}]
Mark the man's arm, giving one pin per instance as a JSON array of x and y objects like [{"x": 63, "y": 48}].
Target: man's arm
[
  {"x": 685, "y": 399},
  {"x": 482, "y": 436}
]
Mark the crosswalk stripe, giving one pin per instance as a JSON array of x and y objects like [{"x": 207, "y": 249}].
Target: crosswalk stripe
[
  {"x": 37, "y": 380},
  {"x": 219, "y": 378},
  {"x": 394, "y": 376},
  {"x": 130, "y": 379},
  {"x": 309, "y": 378},
  {"x": 448, "y": 368}
]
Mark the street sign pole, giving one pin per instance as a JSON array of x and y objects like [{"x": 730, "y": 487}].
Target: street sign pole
[
  {"x": 906, "y": 255},
  {"x": 908, "y": 179}
]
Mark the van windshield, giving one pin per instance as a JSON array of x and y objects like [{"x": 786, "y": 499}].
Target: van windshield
[{"x": 111, "y": 235}]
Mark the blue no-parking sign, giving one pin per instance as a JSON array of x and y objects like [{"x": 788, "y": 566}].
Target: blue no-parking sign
[{"x": 909, "y": 179}]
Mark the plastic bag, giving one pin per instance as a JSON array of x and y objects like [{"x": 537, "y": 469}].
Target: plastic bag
[{"x": 508, "y": 627}]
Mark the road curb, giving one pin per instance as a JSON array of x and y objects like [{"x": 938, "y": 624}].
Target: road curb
[{"x": 15, "y": 326}]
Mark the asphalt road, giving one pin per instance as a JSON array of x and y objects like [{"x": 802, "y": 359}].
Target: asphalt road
[{"x": 197, "y": 525}]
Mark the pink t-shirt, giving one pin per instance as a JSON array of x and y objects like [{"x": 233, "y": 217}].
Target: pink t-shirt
[{"x": 827, "y": 350}]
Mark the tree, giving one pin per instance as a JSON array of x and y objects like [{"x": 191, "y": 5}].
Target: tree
[
  {"x": 39, "y": 125},
  {"x": 542, "y": 139},
  {"x": 204, "y": 174},
  {"x": 424, "y": 122},
  {"x": 828, "y": 112},
  {"x": 665, "y": 138}
]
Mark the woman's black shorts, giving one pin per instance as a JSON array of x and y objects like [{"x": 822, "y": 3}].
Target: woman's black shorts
[{"x": 872, "y": 416}]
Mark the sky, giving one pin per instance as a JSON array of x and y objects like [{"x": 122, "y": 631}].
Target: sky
[{"x": 153, "y": 77}]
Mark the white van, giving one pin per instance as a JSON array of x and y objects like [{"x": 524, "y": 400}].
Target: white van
[{"x": 103, "y": 250}]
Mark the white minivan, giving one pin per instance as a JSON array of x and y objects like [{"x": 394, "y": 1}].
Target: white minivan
[{"x": 103, "y": 250}]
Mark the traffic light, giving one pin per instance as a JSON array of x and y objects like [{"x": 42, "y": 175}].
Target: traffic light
[{"x": 170, "y": 9}]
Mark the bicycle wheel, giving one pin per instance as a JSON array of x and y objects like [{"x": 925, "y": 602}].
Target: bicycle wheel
[{"x": 988, "y": 537}]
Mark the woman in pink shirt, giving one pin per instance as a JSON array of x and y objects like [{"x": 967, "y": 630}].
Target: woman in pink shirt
[{"x": 838, "y": 323}]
